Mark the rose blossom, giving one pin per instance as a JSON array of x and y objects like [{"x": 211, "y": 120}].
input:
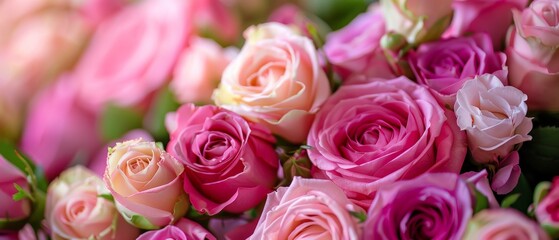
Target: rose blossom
[
  {"x": 230, "y": 163},
  {"x": 199, "y": 70},
  {"x": 276, "y": 80},
  {"x": 431, "y": 206},
  {"x": 503, "y": 223},
  {"x": 11, "y": 209},
  {"x": 184, "y": 229},
  {"x": 58, "y": 130},
  {"x": 308, "y": 208},
  {"x": 417, "y": 20},
  {"x": 494, "y": 117},
  {"x": 531, "y": 49},
  {"x": 146, "y": 183},
  {"x": 492, "y": 17},
  {"x": 132, "y": 54},
  {"x": 445, "y": 65},
  {"x": 75, "y": 210},
  {"x": 369, "y": 135},
  {"x": 479, "y": 182},
  {"x": 355, "y": 49},
  {"x": 547, "y": 211}
]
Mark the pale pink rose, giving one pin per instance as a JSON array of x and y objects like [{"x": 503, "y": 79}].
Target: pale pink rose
[
  {"x": 494, "y": 118},
  {"x": 199, "y": 70},
  {"x": 75, "y": 209},
  {"x": 11, "y": 209},
  {"x": 184, "y": 229},
  {"x": 311, "y": 208},
  {"x": 492, "y": 17},
  {"x": 503, "y": 223},
  {"x": 132, "y": 54},
  {"x": 27, "y": 233},
  {"x": 146, "y": 183},
  {"x": 275, "y": 80},
  {"x": 215, "y": 19},
  {"x": 532, "y": 52},
  {"x": 58, "y": 130},
  {"x": 372, "y": 134},
  {"x": 417, "y": 20},
  {"x": 355, "y": 49},
  {"x": 230, "y": 163},
  {"x": 547, "y": 211}
]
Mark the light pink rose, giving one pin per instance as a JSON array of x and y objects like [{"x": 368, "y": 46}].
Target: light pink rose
[
  {"x": 132, "y": 54},
  {"x": 11, "y": 209},
  {"x": 417, "y": 20},
  {"x": 276, "y": 80},
  {"x": 369, "y": 135},
  {"x": 503, "y": 223},
  {"x": 146, "y": 183},
  {"x": 231, "y": 164},
  {"x": 311, "y": 208},
  {"x": 199, "y": 70},
  {"x": 58, "y": 130},
  {"x": 27, "y": 233},
  {"x": 492, "y": 17},
  {"x": 75, "y": 209},
  {"x": 184, "y": 229},
  {"x": 355, "y": 49},
  {"x": 215, "y": 19},
  {"x": 547, "y": 211},
  {"x": 494, "y": 118},
  {"x": 532, "y": 52}
]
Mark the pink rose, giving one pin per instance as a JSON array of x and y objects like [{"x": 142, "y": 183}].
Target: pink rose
[
  {"x": 146, "y": 183},
  {"x": 27, "y": 233},
  {"x": 431, "y": 206},
  {"x": 479, "y": 182},
  {"x": 503, "y": 223},
  {"x": 132, "y": 53},
  {"x": 184, "y": 229},
  {"x": 293, "y": 16},
  {"x": 230, "y": 163},
  {"x": 494, "y": 118},
  {"x": 308, "y": 208},
  {"x": 369, "y": 135},
  {"x": 199, "y": 70},
  {"x": 531, "y": 50},
  {"x": 445, "y": 65},
  {"x": 492, "y": 17},
  {"x": 10, "y": 209},
  {"x": 232, "y": 228},
  {"x": 547, "y": 211},
  {"x": 75, "y": 210},
  {"x": 275, "y": 80},
  {"x": 355, "y": 49},
  {"x": 58, "y": 130},
  {"x": 214, "y": 19}
]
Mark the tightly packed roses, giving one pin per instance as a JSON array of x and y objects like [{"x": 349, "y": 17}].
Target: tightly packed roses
[{"x": 210, "y": 119}]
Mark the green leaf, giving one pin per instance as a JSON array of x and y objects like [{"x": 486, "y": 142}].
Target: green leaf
[
  {"x": 542, "y": 153},
  {"x": 525, "y": 199},
  {"x": 553, "y": 231},
  {"x": 12, "y": 224},
  {"x": 481, "y": 201},
  {"x": 107, "y": 196},
  {"x": 154, "y": 121},
  {"x": 510, "y": 200},
  {"x": 117, "y": 120}
]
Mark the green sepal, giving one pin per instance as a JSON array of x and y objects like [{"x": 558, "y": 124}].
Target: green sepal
[
  {"x": 541, "y": 190},
  {"x": 510, "y": 200},
  {"x": 141, "y": 222},
  {"x": 107, "y": 196},
  {"x": 481, "y": 201},
  {"x": 361, "y": 216}
]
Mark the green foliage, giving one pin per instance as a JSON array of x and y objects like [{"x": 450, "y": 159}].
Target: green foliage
[{"x": 117, "y": 120}]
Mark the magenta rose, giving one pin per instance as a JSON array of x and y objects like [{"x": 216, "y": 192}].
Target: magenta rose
[
  {"x": 445, "y": 65},
  {"x": 547, "y": 211},
  {"x": 230, "y": 163},
  {"x": 503, "y": 223},
  {"x": 58, "y": 129},
  {"x": 308, "y": 209},
  {"x": 184, "y": 229},
  {"x": 369, "y": 135},
  {"x": 11, "y": 210},
  {"x": 482, "y": 16},
  {"x": 532, "y": 52},
  {"x": 132, "y": 53},
  {"x": 355, "y": 49},
  {"x": 432, "y": 206}
]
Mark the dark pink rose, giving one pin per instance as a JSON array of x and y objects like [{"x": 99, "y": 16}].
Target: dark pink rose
[
  {"x": 184, "y": 229},
  {"x": 230, "y": 163},
  {"x": 483, "y": 16},
  {"x": 58, "y": 130},
  {"x": 10, "y": 209},
  {"x": 355, "y": 49},
  {"x": 444, "y": 66},
  {"x": 432, "y": 206},
  {"x": 132, "y": 54},
  {"x": 369, "y": 135}
]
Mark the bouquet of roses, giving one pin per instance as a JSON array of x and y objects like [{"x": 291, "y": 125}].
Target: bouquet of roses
[{"x": 288, "y": 119}]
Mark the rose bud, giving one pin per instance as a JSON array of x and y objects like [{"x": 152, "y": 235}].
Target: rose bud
[
  {"x": 10, "y": 209},
  {"x": 503, "y": 223},
  {"x": 547, "y": 211},
  {"x": 184, "y": 229}
]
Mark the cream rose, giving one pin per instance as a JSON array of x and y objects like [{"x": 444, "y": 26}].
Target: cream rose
[{"x": 276, "y": 80}]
